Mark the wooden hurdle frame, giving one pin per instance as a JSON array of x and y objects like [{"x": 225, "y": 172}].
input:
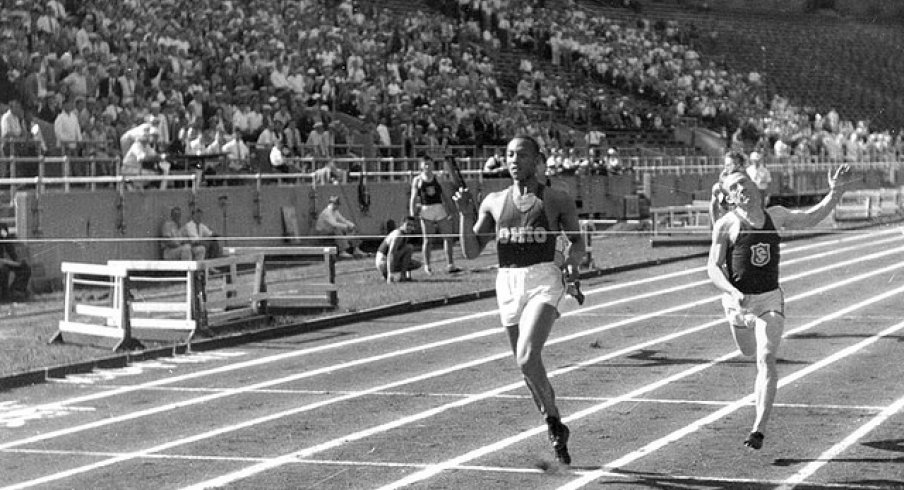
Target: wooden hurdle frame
[
  {"x": 127, "y": 319},
  {"x": 304, "y": 294},
  {"x": 102, "y": 326}
]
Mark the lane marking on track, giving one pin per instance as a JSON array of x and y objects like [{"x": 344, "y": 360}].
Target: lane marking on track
[
  {"x": 435, "y": 469},
  {"x": 700, "y": 423},
  {"x": 329, "y": 369},
  {"x": 441, "y": 372},
  {"x": 440, "y": 467},
  {"x": 413, "y": 394},
  {"x": 800, "y": 477},
  {"x": 416, "y": 328},
  {"x": 536, "y": 470}
]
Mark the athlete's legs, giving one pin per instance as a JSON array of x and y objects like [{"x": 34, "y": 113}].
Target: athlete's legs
[
  {"x": 527, "y": 340},
  {"x": 428, "y": 228},
  {"x": 447, "y": 229},
  {"x": 768, "y": 338},
  {"x": 744, "y": 338}
]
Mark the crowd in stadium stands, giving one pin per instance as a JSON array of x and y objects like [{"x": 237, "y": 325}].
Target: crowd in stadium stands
[{"x": 246, "y": 78}]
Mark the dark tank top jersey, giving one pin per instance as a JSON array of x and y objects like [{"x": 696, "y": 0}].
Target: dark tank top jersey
[
  {"x": 430, "y": 192},
  {"x": 523, "y": 238},
  {"x": 753, "y": 259}
]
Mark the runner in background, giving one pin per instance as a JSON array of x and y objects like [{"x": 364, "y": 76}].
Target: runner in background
[{"x": 426, "y": 202}]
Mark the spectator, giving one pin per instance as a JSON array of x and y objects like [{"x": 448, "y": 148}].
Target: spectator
[
  {"x": 330, "y": 174},
  {"x": 760, "y": 175},
  {"x": 331, "y": 222},
  {"x": 12, "y": 129},
  {"x": 394, "y": 255},
  {"x": 173, "y": 245},
  {"x": 10, "y": 263},
  {"x": 203, "y": 242},
  {"x": 67, "y": 130}
]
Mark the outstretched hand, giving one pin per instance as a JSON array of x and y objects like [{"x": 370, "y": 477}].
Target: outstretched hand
[{"x": 836, "y": 182}]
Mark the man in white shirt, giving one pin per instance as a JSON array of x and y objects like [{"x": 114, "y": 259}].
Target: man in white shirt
[
  {"x": 760, "y": 175},
  {"x": 11, "y": 127},
  {"x": 66, "y": 128},
  {"x": 331, "y": 222},
  {"x": 236, "y": 152},
  {"x": 204, "y": 244}
]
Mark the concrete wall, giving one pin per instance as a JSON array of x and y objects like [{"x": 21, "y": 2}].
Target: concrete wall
[{"x": 93, "y": 227}]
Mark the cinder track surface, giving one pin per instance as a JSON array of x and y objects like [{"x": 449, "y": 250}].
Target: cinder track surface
[{"x": 645, "y": 372}]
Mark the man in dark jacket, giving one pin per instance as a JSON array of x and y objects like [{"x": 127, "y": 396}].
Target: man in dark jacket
[{"x": 10, "y": 263}]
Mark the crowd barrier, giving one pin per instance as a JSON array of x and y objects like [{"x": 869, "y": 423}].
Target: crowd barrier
[{"x": 121, "y": 303}]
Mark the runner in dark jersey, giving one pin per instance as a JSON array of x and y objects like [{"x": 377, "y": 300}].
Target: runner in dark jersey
[
  {"x": 744, "y": 264},
  {"x": 426, "y": 202},
  {"x": 525, "y": 220}
]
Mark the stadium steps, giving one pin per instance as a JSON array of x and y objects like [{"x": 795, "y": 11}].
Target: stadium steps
[{"x": 815, "y": 60}]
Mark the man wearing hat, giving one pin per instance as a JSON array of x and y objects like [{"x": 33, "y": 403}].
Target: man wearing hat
[{"x": 331, "y": 222}]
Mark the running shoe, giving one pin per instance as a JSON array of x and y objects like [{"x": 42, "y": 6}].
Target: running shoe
[
  {"x": 453, "y": 269},
  {"x": 754, "y": 440},
  {"x": 558, "y": 436}
]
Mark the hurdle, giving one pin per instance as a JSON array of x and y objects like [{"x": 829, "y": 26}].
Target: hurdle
[
  {"x": 214, "y": 294},
  {"x": 103, "y": 322},
  {"x": 295, "y": 287},
  {"x": 681, "y": 224}
]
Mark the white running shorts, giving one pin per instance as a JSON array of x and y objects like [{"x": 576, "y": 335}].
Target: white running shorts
[{"x": 516, "y": 286}]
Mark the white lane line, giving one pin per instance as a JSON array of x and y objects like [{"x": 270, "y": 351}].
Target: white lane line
[
  {"x": 332, "y": 368},
  {"x": 800, "y": 477},
  {"x": 536, "y": 470},
  {"x": 413, "y": 394},
  {"x": 416, "y": 328},
  {"x": 470, "y": 456},
  {"x": 288, "y": 458},
  {"x": 501, "y": 355},
  {"x": 719, "y": 414}
]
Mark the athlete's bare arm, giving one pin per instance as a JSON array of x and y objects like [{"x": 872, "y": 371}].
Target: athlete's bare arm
[
  {"x": 566, "y": 217},
  {"x": 475, "y": 236},
  {"x": 413, "y": 205},
  {"x": 724, "y": 232},
  {"x": 783, "y": 217}
]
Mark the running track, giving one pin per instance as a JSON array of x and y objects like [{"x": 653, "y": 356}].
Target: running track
[{"x": 645, "y": 372}]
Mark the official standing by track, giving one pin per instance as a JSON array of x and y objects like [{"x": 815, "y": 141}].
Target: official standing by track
[{"x": 525, "y": 220}]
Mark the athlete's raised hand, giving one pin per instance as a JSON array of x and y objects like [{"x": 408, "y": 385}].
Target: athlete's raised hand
[{"x": 836, "y": 182}]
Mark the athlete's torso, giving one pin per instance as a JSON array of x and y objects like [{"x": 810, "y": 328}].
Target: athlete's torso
[
  {"x": 524, "y": 237},
  {"x": 753, "y": 258},
  {"x": 430, "y": 191}
]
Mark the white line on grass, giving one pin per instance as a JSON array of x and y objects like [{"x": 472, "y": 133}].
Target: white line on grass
[
  {"x": 807, "y": 471},
  {"x": 165, "y": 446},
  {"x": 435, "y": 469}
]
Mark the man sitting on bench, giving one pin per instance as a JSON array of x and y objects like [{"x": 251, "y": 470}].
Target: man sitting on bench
[
  {"x": 331, "y": 222},
  {"x": 203, "y": 241}
]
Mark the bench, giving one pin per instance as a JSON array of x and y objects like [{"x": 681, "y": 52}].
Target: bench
[{"x": 297, "y": 278}]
